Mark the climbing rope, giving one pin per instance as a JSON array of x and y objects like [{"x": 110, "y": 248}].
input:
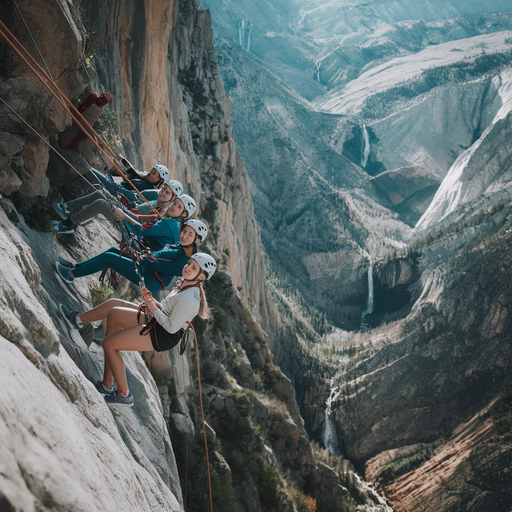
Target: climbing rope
[
  {"x": 202, "y": 416},
  {"x": 6, "y": 33},
  {"x": 186, "y": 426}
]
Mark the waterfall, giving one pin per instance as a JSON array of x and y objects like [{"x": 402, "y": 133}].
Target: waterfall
[
  {"x": 329, "y": 434},
  {"x": 369, "y": 304},
  {"x": 365, "y": 327},
  {"x": 241, "y": 32},
  {"x": 316, "y": 72},
  {"x": 366, "y": 147},
  {"x": 249, "y": 37}
]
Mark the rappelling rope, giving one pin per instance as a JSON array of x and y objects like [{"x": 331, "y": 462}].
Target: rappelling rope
[
  {"x": 32, "y": 37},
  {"x": 202, "y": 416},
  {"x": 84, "y": 130},
  {"x": 186, "y": 426}
]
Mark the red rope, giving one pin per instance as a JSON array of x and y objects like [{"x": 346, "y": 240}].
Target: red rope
[
  {"x": 78, "y": 114},
  {"x": 202, "y": 416}
]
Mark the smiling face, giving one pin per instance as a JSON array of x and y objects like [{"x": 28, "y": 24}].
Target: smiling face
[
  {"x": 191, "y": 271},
  {"x": 187, "y": 236},
  {"x": 176, "y": 209},
  {"x": 165, "y": 195},
  {"x": 154, "y": 176}
]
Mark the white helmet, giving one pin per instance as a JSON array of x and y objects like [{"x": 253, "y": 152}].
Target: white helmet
[
  {"x": 206, "y": 262},
  {"x": 189, "y": 204},
  {"x": 175, "y": 186},
  {"x": 163, "y": 171},
  {"x": 198, "y": 226}
]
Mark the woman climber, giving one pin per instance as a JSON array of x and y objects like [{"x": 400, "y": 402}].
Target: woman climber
[
  {"x": 158, "y": 269},
  {"x": 166, "y": 230},
  {"x": 87, "y": 207},
  {"x": 164, "y": 322},
  {"x": 153, "y": 180}
]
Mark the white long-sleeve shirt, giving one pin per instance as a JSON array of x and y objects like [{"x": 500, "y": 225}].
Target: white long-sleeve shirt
[{"x": 178, "y": 308}]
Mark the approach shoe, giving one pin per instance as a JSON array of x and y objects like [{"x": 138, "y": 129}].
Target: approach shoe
[
  {"x": 66, "y": 263},
  {"x": 103, "y": 390},
  {"x": 62, "y": 272},
  {"x": 62, "y": 211},
  {"x": 59, "y": 227},
  {"x": 117, "y": 399},
  {"x": 71, "y": 318}
]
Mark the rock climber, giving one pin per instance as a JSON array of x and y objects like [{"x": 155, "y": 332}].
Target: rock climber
[
  {"x": 153, "y": 180},
  {"x": 162, "y": 324},
  {"x": 158, "y": 269},
  {"x": 91, "y": 110},
  {"x": 87, "y": 207}
]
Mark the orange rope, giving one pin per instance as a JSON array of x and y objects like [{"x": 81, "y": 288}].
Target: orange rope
[
  {"x": 202, "y": 415},
  {"x": 84, "y": 130},
  {"x": 186, "y": 429}
]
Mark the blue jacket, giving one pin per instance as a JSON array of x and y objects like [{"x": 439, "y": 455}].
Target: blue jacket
[
  {"x": 164, "y": 232},
  {"x": 168, "y": 262}
]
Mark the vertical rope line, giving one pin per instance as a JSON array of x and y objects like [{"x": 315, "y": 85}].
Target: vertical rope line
[
  {"x": 186, "y": 430},
  {"x": 202, "y": 416}
]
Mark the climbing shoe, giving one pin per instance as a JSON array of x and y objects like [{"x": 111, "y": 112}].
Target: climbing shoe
[
  {"x": 66, "y": 263},
  {"x": 71, "y": 318},
  {"x": 117, "y": 399},
  {"x": 60, "y": 228},
  {"x": 103, "y": 389},
  {"x": 62, "y": 272},
  {"x": 61, "y": 209}
]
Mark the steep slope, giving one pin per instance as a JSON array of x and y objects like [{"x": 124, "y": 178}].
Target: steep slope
[{"x": 482, "y": 170}]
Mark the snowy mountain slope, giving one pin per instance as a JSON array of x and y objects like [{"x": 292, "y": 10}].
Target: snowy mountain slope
[
  {"x": 398, "y": 71},
  {"x": 476, "y": 170}
]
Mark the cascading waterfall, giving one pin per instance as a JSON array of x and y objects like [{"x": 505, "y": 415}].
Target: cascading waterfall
[
  {"x": 366, "y": 147},
  {"x": 365, "y": 327},
  {"x": 242, "y": 29},
  {"x": 241, "y": 32},
  {"x": 316, "y": 72},
  {"x": 329, "y": 434}
]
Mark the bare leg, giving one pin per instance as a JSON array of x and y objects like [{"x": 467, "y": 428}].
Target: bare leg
[
  {"x": 100, "y": 312},
  {"x": 119, "y": 317},
  {"x": 127, "y": 339}
]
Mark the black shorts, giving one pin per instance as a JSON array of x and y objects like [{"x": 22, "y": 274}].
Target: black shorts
[{"x": 163, "y": 340}]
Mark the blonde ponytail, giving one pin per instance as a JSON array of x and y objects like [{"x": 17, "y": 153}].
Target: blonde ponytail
[{"x": 204, "y": 310}]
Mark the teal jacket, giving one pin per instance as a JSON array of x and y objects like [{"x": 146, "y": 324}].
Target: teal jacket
[
  {"x": 167, "y": 263},
  {"x": 164, "y": 232}
]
